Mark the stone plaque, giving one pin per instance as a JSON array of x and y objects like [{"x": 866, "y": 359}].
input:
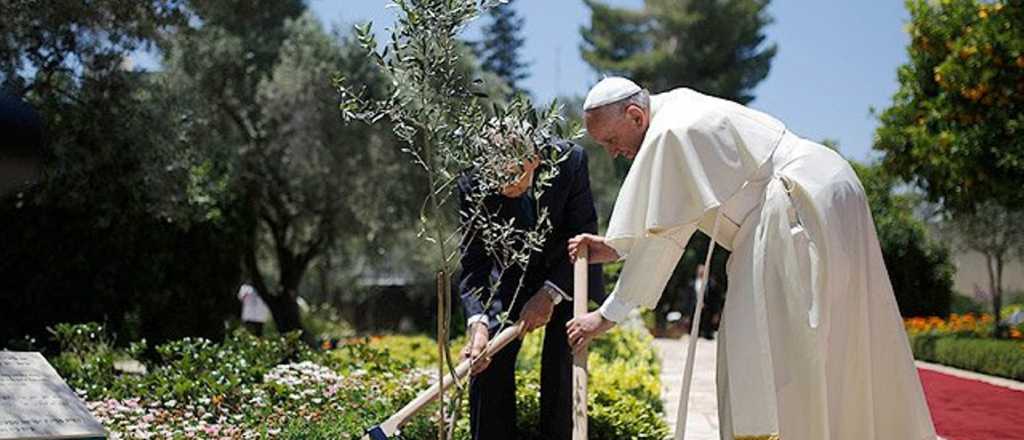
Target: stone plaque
[{"x": 35, "y": 403}]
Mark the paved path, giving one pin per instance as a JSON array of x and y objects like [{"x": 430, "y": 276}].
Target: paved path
[{"x": 702, "y": 421}]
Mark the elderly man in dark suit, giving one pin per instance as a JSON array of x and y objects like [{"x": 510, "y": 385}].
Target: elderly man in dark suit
[{"x": 544, "y": 299}]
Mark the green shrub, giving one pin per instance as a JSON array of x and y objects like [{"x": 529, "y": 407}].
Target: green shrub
[
  {"x": 324, "y": 322},
  {"x": 188, "y": 369},
  {"x": 625, "y": 390},
  {"x": 415, "y": 350},
  {"x": 1003, "y": 358},
  {"x": 1009, "y": 309},
  {"x": 962, "y": 305},
  {"x": 87, "y": 357},
  {"x": 276, "y": 387},
  {"x": 192, "y": 369},
  {"x": 611, "y": 274}
]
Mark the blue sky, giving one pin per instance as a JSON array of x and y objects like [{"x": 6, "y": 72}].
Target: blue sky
[{"x": 836, "y": 59}]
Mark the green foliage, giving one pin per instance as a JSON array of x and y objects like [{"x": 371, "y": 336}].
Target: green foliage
[
  {"x": 993, "y": 231},
  {"x": 51, "y": 45},
  {"x": 247, "y": 386},
  {"x": 87, "y": 356},
  {"x": 624, "y": 399},
  {"x": 960, "y": 104},
  {"x": 439, "y": 112},
  {"x": 1015, "y": 297},
  {"x": 325, "y": 324},
  {"x": 713, "y": 46},
  {"x": 625, "y": 392},
  {"x": 962, "y": 304},
  {"x": 124, "y": 196},
  {"x": 919, "y": 266},
  {"x": 995, "y": 357},
  {"x": 186, "y": 370},
  {"x": 611, "y": 275},
  {"x": 265, "y": 105},
  {"x": 194, "y": 369},
  {"x": 412, "y": 350}
]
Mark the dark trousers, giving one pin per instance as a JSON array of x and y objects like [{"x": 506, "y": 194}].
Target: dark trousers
[
  {"x": 492, "y": 393},
  {"x": 256, "y": 328}
]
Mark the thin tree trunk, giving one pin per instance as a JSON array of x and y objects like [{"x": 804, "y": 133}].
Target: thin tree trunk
[
  {"x": 991, "y": 277},
  {"x": 997, "y": 296},
  {"x": 441, "y": 339}
]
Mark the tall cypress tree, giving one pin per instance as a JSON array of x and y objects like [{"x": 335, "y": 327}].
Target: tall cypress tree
[
  {"x": 715, "y": 46},
  {"x": 499, "y": 49}
]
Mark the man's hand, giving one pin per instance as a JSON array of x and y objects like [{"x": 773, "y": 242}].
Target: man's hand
[
  {"x": 599, "y": 250},
  {"x": 584, "y": 329},
  {"x": 477, "y": 342},
  {"x": 537, "y": 311}
]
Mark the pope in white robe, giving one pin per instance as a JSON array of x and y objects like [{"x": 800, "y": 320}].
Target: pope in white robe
[{"x": 812, "y": 345}]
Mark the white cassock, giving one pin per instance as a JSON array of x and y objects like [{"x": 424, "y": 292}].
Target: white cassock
[{"x": 811, "y": 345}]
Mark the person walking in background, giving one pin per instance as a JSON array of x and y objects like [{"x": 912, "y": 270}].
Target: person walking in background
[{"x": 254, "y": 311}]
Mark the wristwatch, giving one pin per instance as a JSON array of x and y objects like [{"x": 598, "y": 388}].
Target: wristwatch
[{"x": 556, "y": 297}]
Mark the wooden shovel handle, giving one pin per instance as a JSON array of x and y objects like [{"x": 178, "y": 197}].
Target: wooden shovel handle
[
  {"x": 393, "y": 423},
  {"x": 579, "y": 361}
]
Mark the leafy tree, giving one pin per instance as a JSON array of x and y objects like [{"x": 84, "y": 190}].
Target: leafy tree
[
  {"x": 502, "y": 41},
  {"x": 322, "y": 180},
  {"x": 919, "y": 266},
  {"x": 308, "y": 186},
  {"x": 995, "y": 232},
  {"x": 103, "y": 234},
  {"x": 954, "y": 126},
  {"x": 439, "y": 111},
  {"x": 715, "y": 46}
]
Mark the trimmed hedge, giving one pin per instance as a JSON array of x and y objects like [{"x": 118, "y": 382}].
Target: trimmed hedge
[{"x": 1002, "y": 358}]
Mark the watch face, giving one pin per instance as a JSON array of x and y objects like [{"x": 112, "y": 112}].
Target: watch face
[{"x": 555, "y": 297}]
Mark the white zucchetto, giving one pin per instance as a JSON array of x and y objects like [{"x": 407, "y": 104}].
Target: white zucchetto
[{"x": 610, "y": 90}]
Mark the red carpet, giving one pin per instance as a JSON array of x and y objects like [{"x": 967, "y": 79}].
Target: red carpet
[{"x": 965, "y": 409}]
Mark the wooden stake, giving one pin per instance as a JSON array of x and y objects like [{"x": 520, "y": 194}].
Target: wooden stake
[
  {"x": 691, "y": 348},
  {"x": 579, "y": 361}
]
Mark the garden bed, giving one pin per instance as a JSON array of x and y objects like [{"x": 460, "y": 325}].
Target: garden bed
[{"x": 247, "y": 387}]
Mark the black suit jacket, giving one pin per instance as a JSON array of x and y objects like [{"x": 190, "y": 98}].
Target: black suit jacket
[{"x": 571, "y": 211}]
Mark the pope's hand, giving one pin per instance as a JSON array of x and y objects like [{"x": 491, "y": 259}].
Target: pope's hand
[
  {"x": 584, "y": 329},
  {"x": 537, "y": 310},
  {"x": 599, "y": 250},
  {"x": 478, "y": 337}
]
